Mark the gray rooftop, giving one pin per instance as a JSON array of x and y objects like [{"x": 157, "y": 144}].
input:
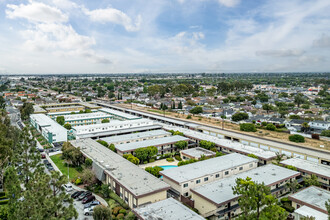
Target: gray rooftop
[
  {"x": 134, "y": 136},
  {"x": 119, "y": 113},
  {"x": 220, "y": 191},
  {"x": 147, "y": 143},
  {"x": 45, "y": 121},
  {"x": 135, "y": 179},
  {"x": 313, "y": 196},
  {"x": 121, "y": 131},
  {"x": 166, "y": 209},
  {"x": 309, "y": 166},
  {"x": 197, "y": 152},
  {"x": 206, "y": 167},
  {"x": 307, "y": 211}
]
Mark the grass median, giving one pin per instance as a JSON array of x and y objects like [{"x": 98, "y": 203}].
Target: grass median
[{"x": 73, "y": 173}]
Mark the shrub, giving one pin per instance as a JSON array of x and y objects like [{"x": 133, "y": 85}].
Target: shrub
[
  {"x": 325, "y": 133},
  {"x": 151, "y": 160},
  {"x": 130, "y": 216},
  {"x": 88, "y": 162},
  {"x": 169, "y": 159},
  {"x": 115, "y": 211},
  {"x": 297, "y": 138},
  {"x": 145, "y": 162},
  {"x": 248, "y": 127},
  {"x": 214, "y": 149},
  {"x": 177, "y": 157},
  {"x": 253, "y": 156},
  {"x": 189, "y": 117},
  {"x": 118, "y": 199},
  {"x": 219, "y": 154},
  {"x": 271, "y": 127},
  {"x": 120, "y": 216},
  {"x": 79, "y": 169},
  {"x": 78, "y": 181},
  {"x": 104, "y": 143},
  {"x": 240, "y": 116},
  {"x": 122, "y": 211},
  {"x": 264, "y": 123},
  {"x": 291, "y": 167}
]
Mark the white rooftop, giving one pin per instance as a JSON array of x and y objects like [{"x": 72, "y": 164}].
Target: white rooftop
[
  {"x": 169, "y": 209},
  {"x": 241, "y": 148},
  {"x": 45, "y": 121},
  {"x": 119, "y": 113},
  {"x": 220, "y": 191},
  {"x": 307, "y": 211},
  {"x": 313, "y": 197},
  {"x": 197, "y": 152},
  {"x": 73, "y": 117},
  {"x": 206, "y": 167},
  {"x": 135, "y": 179},
  {"x": 134, "y": 136},
  {"x": 153, "y": 142},
  {"x": 309, "y": 166}
]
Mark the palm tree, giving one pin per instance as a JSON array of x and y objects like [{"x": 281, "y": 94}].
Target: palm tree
[
  {"x": 293, "y": 186},
  {"x": 305, "y": 127},
  {"x": 279, "y": 157}
]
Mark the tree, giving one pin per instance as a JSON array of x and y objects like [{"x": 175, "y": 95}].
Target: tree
[
  {"x": 101, "y": 213},
  {"x": 271, "y": 127},
  {"x": 154, "y": 170},
  {"x": 293, "y": 186},
  {"x": 305, "y": 127},
  {"x": 279, "y": 157},
  {"x": 145, "y": 153},
  {"x": 72, "y": 154},
  {"x": 206, "y": 144},
  {"x": 26, "y": 110},
  {"x": 297, "y": 138},
  {"x": 196, "y": 110},
  {"x": 325, "y": 133},
  {"x": 88, "y": 177},
  {"x": 311, "y": 181},
  {"x": 267, "y": 107},
  {"x": 305, "y": 106},
  {"x": 299, "y": 99},
  {"x": 247, "y": 127},
  {"x": 105, "y": 120},
  {"x": 112, "y": 147},
  {"x": 2, "y": 103},
  {"x": 256, "y": 201},
  {"x": 131, "y": 158},
  {"x": 294, "y": 117},
  {"x": 60, "y": 120},
  {"x": 327, "y": 206},
  {"x": 68, "y": 126},
  {"x": 181, "y": 145},
  {"x": 239, "y": 116},
  {"x": 180, "y": 105}
]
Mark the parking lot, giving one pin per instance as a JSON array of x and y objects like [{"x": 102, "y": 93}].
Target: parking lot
[{"x": 80, "y": 209}]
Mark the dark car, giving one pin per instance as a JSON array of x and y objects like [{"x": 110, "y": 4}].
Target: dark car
[
  {"x": 76, "y": 194},
  {"x": 83, "y": 195},
  {"x": 51, "y": 150},
  {"x": 41, "y": 150},
  {"x": 46, "y": 162},
  {"x": 92, "y": 203},
  {"x": 88, "y": 199}
]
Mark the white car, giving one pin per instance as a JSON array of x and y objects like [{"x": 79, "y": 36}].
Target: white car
[
  {"x": 68, "y": 187},
  {"x": 89, "y": 211}
]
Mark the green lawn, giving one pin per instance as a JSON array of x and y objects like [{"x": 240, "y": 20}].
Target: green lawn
[{"x": 73, "y": 173}]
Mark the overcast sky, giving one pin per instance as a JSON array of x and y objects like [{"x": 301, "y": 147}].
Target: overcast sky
[{"x": 124, "y": 36}]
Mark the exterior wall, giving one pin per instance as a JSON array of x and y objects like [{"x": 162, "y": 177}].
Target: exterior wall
[
  {"x": 325, "y": 183},
  {"x": 80, "y": 122},
  {"x": 140, "y": 139},
  {"x": 155, "y": 197},
  {"x": 211, "y": 177},
  {"x": 204, "y": 207},
  {"x": 66, "y": 109},
  {"x": 163, "y": 149}
]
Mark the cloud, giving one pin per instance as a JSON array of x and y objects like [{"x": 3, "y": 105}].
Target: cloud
[
  {"x": 36, "y": 12},
  {"x": 324, "y": 41},
  {"x": 114, "y": 16},
  {"x": 280, "y": 53},
  {"x": 229, "y": 3}
]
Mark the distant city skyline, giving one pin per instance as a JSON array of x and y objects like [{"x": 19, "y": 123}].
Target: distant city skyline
[{"x": 175, "y": 36}]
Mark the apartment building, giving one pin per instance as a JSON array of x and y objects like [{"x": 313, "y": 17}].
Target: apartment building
[
  {"x": 49, "y": 129},
  {"x": 133, "y": 184},
  {"x": 216, "y": 200},
  {"x": 307, "y": 168},
  {"x": 94, "y": 130},
  {"x": 196, "y": 153},
  {"x": 136, "y": 137},
  {"x": 166, "y": 209},
  {"x": 86, "y": 119},
  {"x": 310, "y": 202},
  {"x": 164, "y": 145},
  {"x": 182, "y": 179}
]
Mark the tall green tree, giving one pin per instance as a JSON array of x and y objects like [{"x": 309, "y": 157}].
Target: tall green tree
[
  {"x": 256, "y": 201},
  {"x": 60, "y": 120},
  {"x": 26, "y": 110},
  {"x": 101, "y": 213},
  {"x": 311, "y": 181}
]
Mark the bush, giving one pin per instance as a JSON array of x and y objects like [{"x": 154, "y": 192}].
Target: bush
[
  {"x": 151, "y": 160},
  {"x": 177, "y": 157},
  {"x": 240, "y": 116},
  {"x": 120, "y": 216},
  {"x": 78, "y": 181},
  {"x": 170, "y": 159},
  {"x": 325, "y": 133},
  {"x": 145, "y": 162},
  {"x": 253, "y": 156},
  {"x": 130, "y": 216},
  {"x": 88, "y": 162},
  {"x": 297, "y": 138},
  {"x": 122, "y": 211},
  {"x": 271, "y": 127},
  {"x": 115, "y": 211},
  {"x": 188, "y": 117},
  {"x": 247, "y": 127},
  {"x": 214, "y": 149},
  {"x": 104, "y": 143},
  {"x": 118, "y": 199},
  {"x": 264, "y": 123},
  {"x": 79, "y": 169}
]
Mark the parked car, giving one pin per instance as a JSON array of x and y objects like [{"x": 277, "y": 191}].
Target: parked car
[
  {"x": 84, "y": 194},
  {"x": 50, "y": 167},
  {"x": 88, "y": 199},
  {"x": 41, "y": 150},
  {"x": 68, "y": 187},
  {"x": 43, "y": 156},
  {"x": 76, "y": 194},
  {"x": 89, "y": 211},
  {"x": 92, "y": 203},
  {"x": 46, "y": 162}
]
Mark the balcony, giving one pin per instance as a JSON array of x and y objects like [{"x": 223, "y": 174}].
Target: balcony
[{"x": 226, "y": 210}]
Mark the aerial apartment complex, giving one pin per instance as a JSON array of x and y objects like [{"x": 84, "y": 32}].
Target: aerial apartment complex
[{"x": 134, "y": 185}]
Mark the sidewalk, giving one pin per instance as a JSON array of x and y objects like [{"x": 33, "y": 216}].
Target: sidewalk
[{"x": 102, "y": 201}]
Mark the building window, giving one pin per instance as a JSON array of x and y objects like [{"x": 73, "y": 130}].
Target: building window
[
  {"x": 186, "y": 194},
  {"x": 227, "y": 172},
  {"x": 251, "y": 164},
  {"x": 217, "y": 175},
  {"x": 198, "y": 181},
  {"x": 241, "y": 168},
  {"x": 206, "y": 179},
  {"x": 185, "y": 185}
]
